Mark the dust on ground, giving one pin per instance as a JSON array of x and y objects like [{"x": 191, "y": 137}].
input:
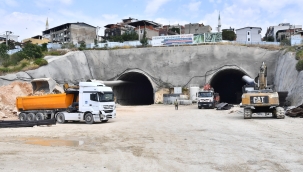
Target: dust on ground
[
  {"x": 158, "y": 138},
  {"x": 8, "y": 94}
]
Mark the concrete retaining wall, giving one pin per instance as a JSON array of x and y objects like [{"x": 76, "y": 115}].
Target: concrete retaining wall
[
  {"x": 287, "y": 78},
  {"x": 169, "y": 66}
]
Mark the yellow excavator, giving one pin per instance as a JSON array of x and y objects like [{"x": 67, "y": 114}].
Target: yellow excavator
[{"x": 257, "y": 97}]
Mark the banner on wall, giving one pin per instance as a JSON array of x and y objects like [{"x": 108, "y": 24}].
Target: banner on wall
[
  {"x": 172, "y": 40},
  {"x": 199, "y": 39},
  {"x": 213, "y": 37},
  {"x": 186, "y": 39}
]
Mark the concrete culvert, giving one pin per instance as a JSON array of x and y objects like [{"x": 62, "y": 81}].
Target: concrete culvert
[
  {"x": 138, "y": 92},
  {"x": 228, "y": 83}
]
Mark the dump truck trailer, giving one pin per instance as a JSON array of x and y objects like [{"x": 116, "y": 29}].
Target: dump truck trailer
[{"x": 90, "y": 101}]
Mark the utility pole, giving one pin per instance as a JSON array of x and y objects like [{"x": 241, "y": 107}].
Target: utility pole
[{"x": 7, "y": 33}]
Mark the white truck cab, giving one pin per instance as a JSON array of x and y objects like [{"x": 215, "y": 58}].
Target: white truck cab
[
  {"x": 207, "y": 99},
  {"x": 96, "y": 104}
]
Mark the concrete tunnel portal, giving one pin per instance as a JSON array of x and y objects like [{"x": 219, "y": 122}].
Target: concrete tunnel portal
[
  {"x": 228, "y": 83},
  {"x": 139, "y": 90}
]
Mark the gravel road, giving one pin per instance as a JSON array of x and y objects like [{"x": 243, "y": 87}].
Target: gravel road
[{"x": 158, "y": 138}]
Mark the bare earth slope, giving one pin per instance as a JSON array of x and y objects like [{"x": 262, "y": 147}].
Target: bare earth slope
[{"x": 8, "y": 94}]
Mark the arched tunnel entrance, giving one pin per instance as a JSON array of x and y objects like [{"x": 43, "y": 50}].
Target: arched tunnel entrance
[
  {"x": 138, "y": 92},
  {"x": 228, "y": 83}
]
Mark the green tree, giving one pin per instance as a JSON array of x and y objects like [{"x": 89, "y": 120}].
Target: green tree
[
  {"x": 177, "y": 30},
  {"x": 269, "y": 38},
  {"x": 82, "y": 45},
  {"x": 44, "y": 47},
  {"x": 3, "y": 51},
  {"x": 130, "y": 36},
  {"x": 144, "y": 40},
  {"x": 96, "y": 43},
  {"x": 117, "y": 38},
  {"x": 228, "y": 35},
  {"x": 32, "y": 50}
]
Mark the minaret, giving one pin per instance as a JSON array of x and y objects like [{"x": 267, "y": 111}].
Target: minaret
[
  {"x": 46, "y": 27},
  {"x": 219, "y": 23}
]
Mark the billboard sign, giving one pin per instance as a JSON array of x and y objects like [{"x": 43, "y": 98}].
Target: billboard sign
[{"x": 172, "y": 40}]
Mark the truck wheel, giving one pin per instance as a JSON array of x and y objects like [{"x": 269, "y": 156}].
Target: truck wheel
[
  {"x": 104, "y": 121},
  {"x": 247, "y": 113},
  {"x": 60, "y": 118},
  {"x": 22, "y": 116},
  {"x": 89, "y": 119},
  {"x": 39, "y": 117},
  {"x": 199, "y": 107},
  {"x": 30, "y": 117}
]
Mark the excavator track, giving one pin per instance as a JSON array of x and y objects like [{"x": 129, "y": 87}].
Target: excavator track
[
  {"x": 280, "y": 113},
  {"x": 247, "y": 113}
]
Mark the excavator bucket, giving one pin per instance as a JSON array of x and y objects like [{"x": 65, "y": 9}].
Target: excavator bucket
[{"x": 46, "y": 85}]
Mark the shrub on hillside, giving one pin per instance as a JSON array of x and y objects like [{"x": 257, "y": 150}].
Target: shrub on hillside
[
  {"x": 32, "y": 50},
  {"x": 40, "y": 62},
  {"x": 299, "y": 55},
  {"x": 56, "y": 52},
  {"x": 299, "y": 65},
  {"x": 17, "y": 57}
]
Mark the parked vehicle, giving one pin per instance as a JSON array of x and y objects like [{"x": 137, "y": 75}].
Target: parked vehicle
[
  {"x": 258, "y": 97},
  {"x": 207, "y": 98},
  {"x": 90, "y": 101}
]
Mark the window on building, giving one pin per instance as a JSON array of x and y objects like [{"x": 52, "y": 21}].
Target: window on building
[
  {"x": 248, "y": 39},
  {"x": 141, "y": 31},
  {"x": 247, "y": 33}
]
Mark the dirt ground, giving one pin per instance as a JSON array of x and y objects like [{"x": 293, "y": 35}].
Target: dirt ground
[{"x": 158, "y": 138}]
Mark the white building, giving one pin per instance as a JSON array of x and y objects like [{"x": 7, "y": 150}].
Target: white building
[
  {"x": 249, "y": 34},
  {"x": 10, "y": 37},
  {"x": 273, "y": 30}
]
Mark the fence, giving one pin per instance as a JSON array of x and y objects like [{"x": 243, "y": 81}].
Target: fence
[
  {"x": 254, "y": 43},
  {"x": 54, "y": 46},
  {"x": 10, "y": 52}
]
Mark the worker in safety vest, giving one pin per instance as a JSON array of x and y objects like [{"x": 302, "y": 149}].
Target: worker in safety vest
[{"x": 176, "y": 103}]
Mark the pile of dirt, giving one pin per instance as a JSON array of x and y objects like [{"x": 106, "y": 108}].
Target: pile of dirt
[
  {"x": 295, "y": 112},
  {"x": 8, "y": 94}
]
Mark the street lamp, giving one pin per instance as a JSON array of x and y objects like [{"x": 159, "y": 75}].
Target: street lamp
[
  {"x": 7, "y": 34},
  {"x": 97, "y": 32}
]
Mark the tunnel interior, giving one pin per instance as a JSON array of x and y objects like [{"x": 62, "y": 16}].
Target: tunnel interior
[
  {"x": 138, "y": 92},
  {"x": 228, "y": 83}
]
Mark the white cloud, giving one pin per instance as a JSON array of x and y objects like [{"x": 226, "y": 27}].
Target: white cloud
[
  {"x": 110, "y": 16},
  {"x": 261, "y": 13},
  {"x": 9, "y": 2},
  {"x": 166, "y": 21},
  {"x": 194, "y": 6},
  {"x": 51, "y": 3},
  {"x": 154, "y": 5}
]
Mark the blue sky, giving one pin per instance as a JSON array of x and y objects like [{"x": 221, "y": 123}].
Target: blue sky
[{"x": 27, "y": 18}]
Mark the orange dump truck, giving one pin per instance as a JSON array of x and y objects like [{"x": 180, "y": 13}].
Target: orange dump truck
[
  {"x": 91, "y": 102},
  {"x": 44, "y": 106}
]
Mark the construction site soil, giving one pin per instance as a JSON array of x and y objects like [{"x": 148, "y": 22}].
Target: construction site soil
[
  {"x": 158, "y": 138},
  {"x": 8, "y": 94}
]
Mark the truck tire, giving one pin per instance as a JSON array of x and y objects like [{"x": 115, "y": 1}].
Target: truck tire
[
  {"x": 30, "y": 117},
  {"x": 247, "y": 113},
  {"x": 199, "y": 107},
  {"x": 89, "y": 119},
  {"x": 22, "y": 116},
  {"x": 39, "y": 116},
  {"x": 60, "y": 118},
  {"x": 104, "y": 121}
]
